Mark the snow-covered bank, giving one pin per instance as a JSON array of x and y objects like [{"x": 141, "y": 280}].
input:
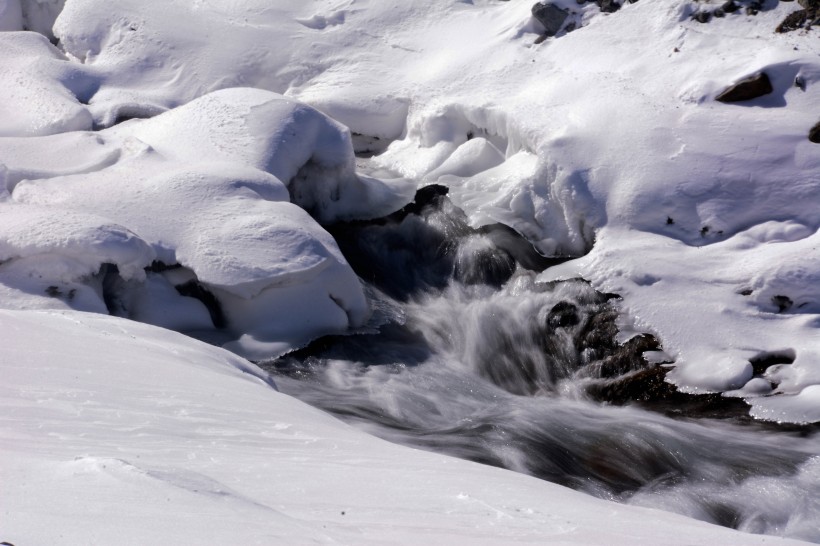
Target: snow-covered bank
[{"x": 115, "y": 432}]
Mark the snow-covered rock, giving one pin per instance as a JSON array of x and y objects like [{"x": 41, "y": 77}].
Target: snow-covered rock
[{"x": 205, "y": 186}]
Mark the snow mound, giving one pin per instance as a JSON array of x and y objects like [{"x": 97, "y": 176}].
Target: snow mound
[
  {"x": 38, "y": 92},
  {"x": 270, "y": 277}
]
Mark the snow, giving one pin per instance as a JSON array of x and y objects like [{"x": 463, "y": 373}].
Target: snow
[
  {"x": 118, "y": 432},
  {"x": 38, "y": 92}
]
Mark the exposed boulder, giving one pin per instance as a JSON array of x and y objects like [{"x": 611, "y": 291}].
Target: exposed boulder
[
  {"x": 747, "y": 89},
  {"x": 550, "y": 16}
]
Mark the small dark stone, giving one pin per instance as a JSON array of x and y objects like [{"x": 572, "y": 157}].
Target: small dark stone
[
  {"x": 783, "y": 303},
  {"x": 719, "y": 13},
  {"x": 747, "y": 89},
  {"x": 704, "y": 230},
  {"x": 754, "y": 7},
  {"x": 702, "y": 17},
  {"x": 746, "y": 292},
  {"x": 53, "y": 292},
  {"x": 563, "y": 314},
  {"x": 814, "y": 133},
  {"x": 669, "y": 221},
  {"x": 158, "y": 267},
  {"x": 800, "y": 83},
  {"x": 550, "y": 16},
  {"x": 608, "y": 6},
  {"x": 730, "y": 7}
]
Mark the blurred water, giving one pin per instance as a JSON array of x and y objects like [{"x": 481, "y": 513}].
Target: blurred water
[{"x": 473, "y": 358}]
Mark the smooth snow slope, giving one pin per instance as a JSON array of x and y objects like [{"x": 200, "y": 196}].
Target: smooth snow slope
[
  {"x": 607, "y": 138},
  {"x": 114, "y": 432}
]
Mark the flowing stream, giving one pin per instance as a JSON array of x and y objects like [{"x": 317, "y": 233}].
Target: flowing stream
[{"x": 468, "y": 355}]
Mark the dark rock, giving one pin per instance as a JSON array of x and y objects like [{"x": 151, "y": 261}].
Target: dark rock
[
  {"x": 719, "y": 13},
  {"x": 764, "y": 361},
  {"x": 193, "y": 289},
  {"x": 702, "y": 17},
  {"x": 53, "y": 292},
  {"x": 783, "y": 303},
  {"x": 793, "y": 21},
  {"x": 730, "y": 7},
  {"x": 753, "y": 8},
  {"x": 608, "y": 6},
  {"x": 809, "y": 4},
  {"x": 550, "y": 16},
  {"x": 747, "y": 89},
  {"x": 563, "y": 314},
  {"x": 814, "y": 133}
]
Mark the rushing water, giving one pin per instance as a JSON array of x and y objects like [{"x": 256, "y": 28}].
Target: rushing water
[{"x": 469, "y": 356}]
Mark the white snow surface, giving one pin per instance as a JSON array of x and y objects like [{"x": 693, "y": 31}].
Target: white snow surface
[{"x": 115, "y": 432}]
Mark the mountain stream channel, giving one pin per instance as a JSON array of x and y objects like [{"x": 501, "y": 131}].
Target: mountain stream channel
[{"x": 469, "y": 356}]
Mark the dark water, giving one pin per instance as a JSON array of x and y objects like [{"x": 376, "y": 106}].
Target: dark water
[{"x": 468, "y": 355}]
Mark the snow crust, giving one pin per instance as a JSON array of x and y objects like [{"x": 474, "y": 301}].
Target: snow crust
[{"x": 118, "y": 432}]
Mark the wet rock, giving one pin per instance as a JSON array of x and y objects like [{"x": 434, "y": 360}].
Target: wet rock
[
  {"x": 550, "y": 16},
  {"x": 747, "y": 89},
  {"x": 488, "y": 265},
  {"x": 562, "y": 315},
  {"x": 814, "y": 133}
]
